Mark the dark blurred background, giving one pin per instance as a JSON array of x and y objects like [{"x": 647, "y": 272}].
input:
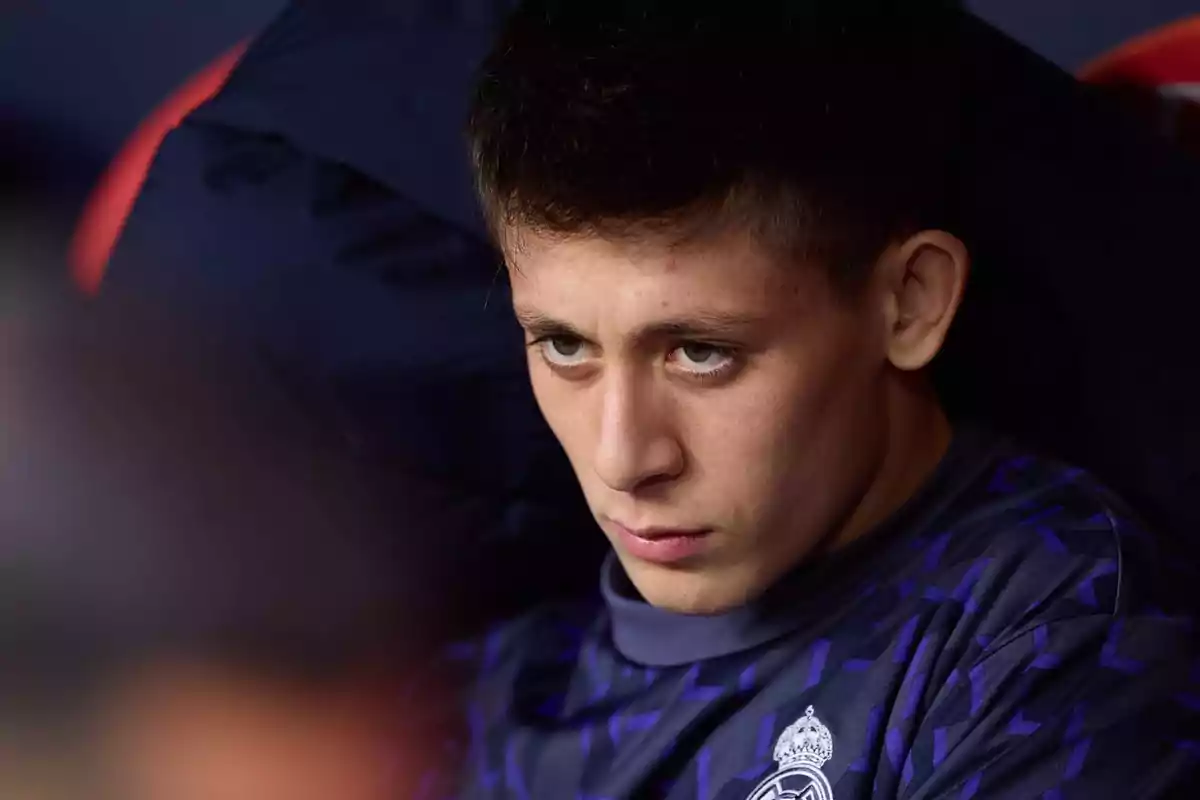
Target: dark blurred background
[{"x": 76, "y": 76}]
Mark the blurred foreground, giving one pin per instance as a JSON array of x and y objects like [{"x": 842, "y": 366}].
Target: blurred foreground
[{"x": 205, "y": 596}]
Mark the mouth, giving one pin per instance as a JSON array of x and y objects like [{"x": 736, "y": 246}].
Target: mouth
[{"x": 660, "y": 545}]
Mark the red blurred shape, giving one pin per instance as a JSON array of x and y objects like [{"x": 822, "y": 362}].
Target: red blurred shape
[
  {"x": 1162, "y": 57},
  {"x": 112, "y": 199},
  {"x": 1156, "y": 78}
]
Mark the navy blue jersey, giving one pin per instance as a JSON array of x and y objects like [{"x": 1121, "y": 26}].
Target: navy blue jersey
[{"x": 1008, "y": 633}]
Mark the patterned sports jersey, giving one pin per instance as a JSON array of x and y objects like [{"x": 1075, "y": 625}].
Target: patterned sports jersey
[{"x": 1008, "y": 633}]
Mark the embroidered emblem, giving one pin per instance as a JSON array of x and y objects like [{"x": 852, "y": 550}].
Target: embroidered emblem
[{"x": 802, "y": 749}]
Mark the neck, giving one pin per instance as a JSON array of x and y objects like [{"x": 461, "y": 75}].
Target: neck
[{"x": 916, "y": 436}]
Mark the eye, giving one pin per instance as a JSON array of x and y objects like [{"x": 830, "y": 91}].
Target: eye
[
  {"x": 703, "y": 360},
  {"x": 564, "y": 351}
]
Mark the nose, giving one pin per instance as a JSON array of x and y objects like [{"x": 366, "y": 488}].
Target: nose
[{"x": 637, "y": 444}]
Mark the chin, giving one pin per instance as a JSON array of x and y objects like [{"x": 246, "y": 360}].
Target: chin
[
  {"x": 694, "y": 606},
  {"x": 687, "y": 592}
]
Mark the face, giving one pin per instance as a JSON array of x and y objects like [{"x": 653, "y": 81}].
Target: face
[{"x": 722, "y": 410}]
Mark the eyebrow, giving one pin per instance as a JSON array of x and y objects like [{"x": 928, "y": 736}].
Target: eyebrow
[{"x": 696, "y": 325}]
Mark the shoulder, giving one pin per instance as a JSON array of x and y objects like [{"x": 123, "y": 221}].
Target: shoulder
[
  {"x": 1069, "y": 629},
  {"x": 1041, "y": 541}
]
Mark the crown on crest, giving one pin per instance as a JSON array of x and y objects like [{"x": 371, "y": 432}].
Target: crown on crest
[{"x": 805, "y": 742}]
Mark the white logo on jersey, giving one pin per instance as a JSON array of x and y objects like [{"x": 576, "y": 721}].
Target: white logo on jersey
[{"x": 802, "y": 749}]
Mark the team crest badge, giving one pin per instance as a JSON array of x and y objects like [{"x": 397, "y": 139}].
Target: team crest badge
[{"x": 802, "y": 749}]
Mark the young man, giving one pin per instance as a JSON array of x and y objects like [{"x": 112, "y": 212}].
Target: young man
[{"x": 729, "y": 232}]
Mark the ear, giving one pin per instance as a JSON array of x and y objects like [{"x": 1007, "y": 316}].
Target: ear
[{"x": 924, "y": 279}]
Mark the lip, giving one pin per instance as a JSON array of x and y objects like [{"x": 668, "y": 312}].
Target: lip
[{"x": 661, "y": 545}]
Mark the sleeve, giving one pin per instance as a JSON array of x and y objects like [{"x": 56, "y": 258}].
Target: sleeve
[{"x": 1102, "y": 706}]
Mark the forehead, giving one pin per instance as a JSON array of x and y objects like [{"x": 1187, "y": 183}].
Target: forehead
[{"x": 591, "y": 276}]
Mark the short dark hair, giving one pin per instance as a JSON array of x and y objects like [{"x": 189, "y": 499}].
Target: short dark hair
[{"x": 825, "y": 126}]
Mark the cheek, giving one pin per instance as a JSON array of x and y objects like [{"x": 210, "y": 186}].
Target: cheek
[
  {"x": 775, "y": 443},
  {"x": 741, "y": 443}
]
